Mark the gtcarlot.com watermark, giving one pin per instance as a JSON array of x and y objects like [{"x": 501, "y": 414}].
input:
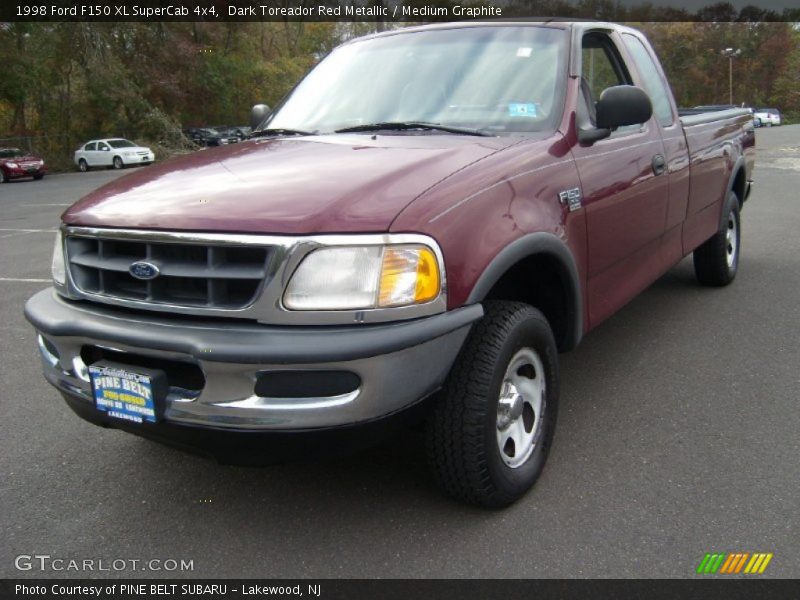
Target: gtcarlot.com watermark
[{"x": 48, "y": 563}]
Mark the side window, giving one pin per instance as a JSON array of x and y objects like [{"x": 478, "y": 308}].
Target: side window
[
  {"x": 90, "y": 146},
  {"x": 102, "y": 146},
  {"x": 652, "y": 82},
  {"x": 601, "y": 68}
]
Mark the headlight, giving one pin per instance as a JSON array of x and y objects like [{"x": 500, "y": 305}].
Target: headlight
[
  {"x": 364, "y": 277},
  {"x": 12, "y": 165},
  {"x": 59, "y": 272}
]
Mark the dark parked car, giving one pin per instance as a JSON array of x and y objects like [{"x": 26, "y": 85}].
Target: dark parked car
[
  {"x": 424, "y": 224},
  {"x": 15, "y": 163},
  {"x": 209, "y": 136},
  {"x": 240, "y": 133}
]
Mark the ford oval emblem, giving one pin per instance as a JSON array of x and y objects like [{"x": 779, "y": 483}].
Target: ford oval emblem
[{"x": 144, "y": 270}]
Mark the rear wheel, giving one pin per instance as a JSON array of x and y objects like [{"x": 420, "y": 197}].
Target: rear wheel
[
  {"x": 39, "y": 176},
  {"x": 717, "y": 260},
  {"x": 491, "y": 429},
  {"x": 83, "y": 166}
]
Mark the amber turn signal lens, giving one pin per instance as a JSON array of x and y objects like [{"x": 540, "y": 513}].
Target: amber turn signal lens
[
  {"x": 428, "y": 284},
  {"x": 409, "y": 275}
]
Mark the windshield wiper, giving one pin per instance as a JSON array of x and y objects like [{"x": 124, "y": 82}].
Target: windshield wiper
[
  {"x": 408, "y": 125},
  {"x": 279, "y": 131}
]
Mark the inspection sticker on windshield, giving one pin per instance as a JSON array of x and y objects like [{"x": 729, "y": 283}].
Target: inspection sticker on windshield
[
  {"x": 122, "y": 394},
  {"x": 524, "y": 52},
  {"x": 521, "y": 109}
]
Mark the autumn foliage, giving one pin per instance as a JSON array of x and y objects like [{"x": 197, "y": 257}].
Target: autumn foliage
[{"x": 63, "y": 83}]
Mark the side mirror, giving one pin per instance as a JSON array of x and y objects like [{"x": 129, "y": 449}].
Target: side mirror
[
  {"x": 623, "y": 105},
  {"x": 257, "y": 114},
  {"x": 618, "y": 106}
]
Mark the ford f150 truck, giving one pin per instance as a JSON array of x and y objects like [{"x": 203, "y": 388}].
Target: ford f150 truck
[{"x": 426, "y": 221}]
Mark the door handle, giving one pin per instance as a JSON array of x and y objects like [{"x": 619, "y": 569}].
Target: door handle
[{"x": 659, "y": 164}]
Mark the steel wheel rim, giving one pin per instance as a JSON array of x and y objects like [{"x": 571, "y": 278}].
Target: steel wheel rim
[
  {"x": 82, "y": 165},
  {"x": 731, "y": 240},
  {"x": 520, "y": 408},
  {"x": 117, "y": 163}
]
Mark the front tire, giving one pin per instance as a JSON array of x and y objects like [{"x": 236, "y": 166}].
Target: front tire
[
  {"x": 38, "y": 177},
  {"x": 491, "y": 429},
  {"x": 717, "y": 260},
  {"x": 2, "y": 176},
  {"x": 118, "y": 164}
]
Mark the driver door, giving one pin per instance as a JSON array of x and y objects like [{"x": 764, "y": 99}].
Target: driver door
[
  {"x": 624, "y": 198},
  {"x": 103, "y": 155}
]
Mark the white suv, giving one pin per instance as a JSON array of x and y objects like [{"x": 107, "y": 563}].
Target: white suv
[{"x": 112, "y": 152}]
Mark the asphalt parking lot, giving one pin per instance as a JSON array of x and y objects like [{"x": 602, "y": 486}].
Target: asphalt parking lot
[{"x": 679, "y": 434}]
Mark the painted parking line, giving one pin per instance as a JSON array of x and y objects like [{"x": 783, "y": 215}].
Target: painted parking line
[
  {"x": 7, "y": 233},
  {"x": 25, "y": 280}
]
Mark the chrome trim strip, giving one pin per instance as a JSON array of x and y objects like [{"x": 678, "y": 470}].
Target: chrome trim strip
[
  {"x": 264, "y": 403},
  {"x": 286, "y": 254}
]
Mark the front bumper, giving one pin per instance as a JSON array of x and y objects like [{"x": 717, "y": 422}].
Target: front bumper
[
  {"x": 20, "y": 172},
  {"x": 136, "y": 159},
  {"x": 395, "y": 365}
]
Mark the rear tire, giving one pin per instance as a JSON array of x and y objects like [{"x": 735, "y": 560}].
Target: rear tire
[
  {"x": 38, "y": 177},
  {"x": 490, "y": 431},
  {"x": 83, "y": 166},
  {"x": 717, "y": 260}
]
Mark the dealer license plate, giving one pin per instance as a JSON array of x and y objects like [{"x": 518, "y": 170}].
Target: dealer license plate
[{"x": 123, "y": 394}]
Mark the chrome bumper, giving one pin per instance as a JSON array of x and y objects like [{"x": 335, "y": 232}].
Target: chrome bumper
[{"x": 397, "y": 364}]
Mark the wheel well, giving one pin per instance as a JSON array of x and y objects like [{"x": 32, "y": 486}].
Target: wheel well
[{"x": 542, "y": 282}]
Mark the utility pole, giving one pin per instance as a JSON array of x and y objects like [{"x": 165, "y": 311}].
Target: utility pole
[{"x": 730, "y": 54}]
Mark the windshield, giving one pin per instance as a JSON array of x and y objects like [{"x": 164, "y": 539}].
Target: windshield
[
  {"x": 121, "y": 144},
  {"x": 497, "y": 79},
  {"x": 11, "y": 152}
]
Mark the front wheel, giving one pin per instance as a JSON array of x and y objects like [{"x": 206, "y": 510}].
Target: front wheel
[
  {"x": 492, "y": 426},
  {"x": 118, "y": 164},
  {"x": 2, "y": 176},
  {"x": 717, "y": 260},
  {"x": 38, "y": 177}
]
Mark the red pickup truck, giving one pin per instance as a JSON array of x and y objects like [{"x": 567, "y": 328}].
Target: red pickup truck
[{"x": 426, "y": 221}]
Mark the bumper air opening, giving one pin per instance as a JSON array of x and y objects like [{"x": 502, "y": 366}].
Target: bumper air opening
[{"x": 306, "y": 384}]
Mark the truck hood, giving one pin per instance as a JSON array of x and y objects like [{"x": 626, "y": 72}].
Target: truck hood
[{"x": 330, "y": 183}]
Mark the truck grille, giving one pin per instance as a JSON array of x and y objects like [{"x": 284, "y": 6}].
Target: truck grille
[{"x": 189, "y": 274}]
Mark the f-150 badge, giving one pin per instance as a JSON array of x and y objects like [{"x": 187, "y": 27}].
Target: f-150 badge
[{"x": 571, "y": 198}]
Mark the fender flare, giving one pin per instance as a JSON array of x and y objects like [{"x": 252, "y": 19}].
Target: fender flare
[
  {"x": 527, "y": 246},
  {"x": 740, "y": 165}
]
